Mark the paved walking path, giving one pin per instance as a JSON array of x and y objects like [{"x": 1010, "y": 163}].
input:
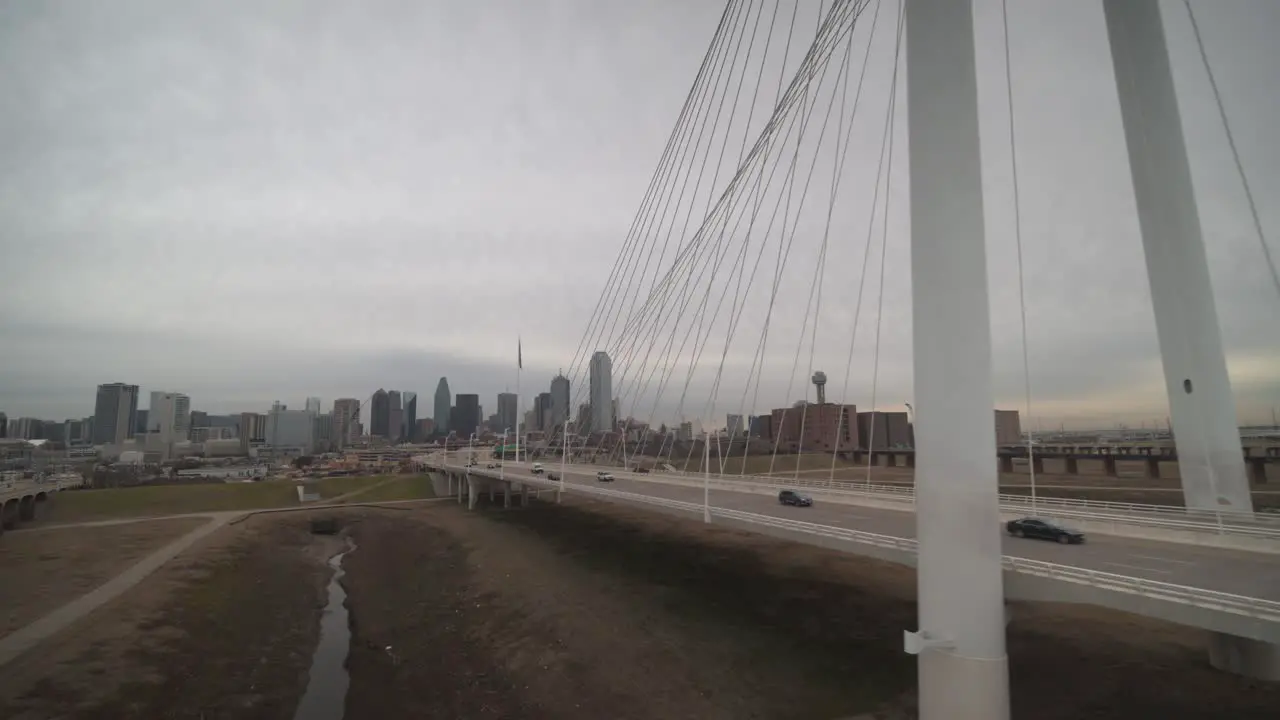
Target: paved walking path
[
  {"x": 23, "y": 639},
  {"x": 19, "y": 641}
]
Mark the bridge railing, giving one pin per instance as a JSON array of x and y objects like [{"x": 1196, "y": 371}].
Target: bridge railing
[
  {"x": 1011, "y": 502},
  {"x": 1268, "y": 610},
  {"x": 1131, "y": 514}
]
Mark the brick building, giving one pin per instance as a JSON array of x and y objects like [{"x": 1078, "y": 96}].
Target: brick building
[{"x": 819, "y": 425}]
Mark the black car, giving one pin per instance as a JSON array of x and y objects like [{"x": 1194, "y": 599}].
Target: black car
[
  {"x": 791, "y": 497},
  {"x": 1044, "y": 530}
]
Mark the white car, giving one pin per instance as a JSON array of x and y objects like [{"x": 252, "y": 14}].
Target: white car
[
  {"x": 537, "y": 468},
  {"x": 603, "y": 476}
]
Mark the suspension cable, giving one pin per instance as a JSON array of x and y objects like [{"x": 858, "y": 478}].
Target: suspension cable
[
  {"x": 1017, "y": 233},
  {"x": 1235, "y": 153},
  {"x": 884, "y": 241}
]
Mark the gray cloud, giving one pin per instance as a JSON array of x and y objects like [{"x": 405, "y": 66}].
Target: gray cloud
[{"x": 321, "y": 199}]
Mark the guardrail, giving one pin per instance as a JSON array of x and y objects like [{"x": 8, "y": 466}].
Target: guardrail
[
  {"x": 47, "y": 484},
  {"x": 1206, "y": 524},
  {"x": 1102, "y": 509},
  {"x": 1260, "y": 608}
]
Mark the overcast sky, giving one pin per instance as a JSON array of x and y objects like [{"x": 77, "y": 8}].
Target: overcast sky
[{"x": 257, "y": 201}]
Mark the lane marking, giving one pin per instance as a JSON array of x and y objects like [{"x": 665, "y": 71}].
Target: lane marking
[
  {"x": 1139, "y": 567},
  {"x": 1161, "y": 559}
]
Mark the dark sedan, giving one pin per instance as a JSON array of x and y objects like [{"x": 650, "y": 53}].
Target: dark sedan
[
  {"x": 1044, "y": 530},
  {"x": 791, "y": 497}
]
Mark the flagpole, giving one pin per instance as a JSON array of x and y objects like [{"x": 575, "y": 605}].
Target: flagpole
[{"x": 519, "y": 367}]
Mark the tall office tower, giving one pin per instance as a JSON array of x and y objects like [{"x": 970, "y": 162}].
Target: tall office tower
[
  {"x": 542, "y": 411},
  {"x": 559, "y": 401},
  {"x": 468, "y": 415},
  {"x": 440, "y": 408},
  {"x": 733, "y": 426},
  {"x": 313, "y": 405},
  {"x": 168, "y": 418},
  {"x": 380, "y": 414},
  {"x": 346, "y": 420},
  {"x": 252, "y": 430},
  {"x": 199, "y": 419},
  {"x": 506, "y": 413},
  {"x": 601, "y": 394},
  {"x": 410, "y": 402},
  {"x": 4, "y": 425},
  {"x": 115, "y": 413},
  {"x": 395, "y": 422},
  {"x": 323, "y": 431}
]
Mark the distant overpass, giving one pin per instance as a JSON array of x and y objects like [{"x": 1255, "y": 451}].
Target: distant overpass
[{"x": 23, "y": 501}]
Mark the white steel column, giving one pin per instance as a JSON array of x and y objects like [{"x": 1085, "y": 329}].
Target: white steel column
[
  {"x": 1210, "y": 459},
  {"x": 963, "y": 668}
]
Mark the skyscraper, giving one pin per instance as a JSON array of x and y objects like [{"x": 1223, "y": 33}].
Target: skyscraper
[
  {"x": 506, "y": 412},
  {"x": 542, "y": 411},
  {"x": 409, "y": 400},
  {"x": 395, "y": 420},
  {"x": 380, "y": 414},
  {"x": 559, "y": 401},
  {"x": 734, "y": 426},
  {"x": 115, "y": 413},
  {"x": 346, "y": 417},
  {"x": 313, "y": 405},
  {"x": 440, "y": 408},
  {"x": 168, "y": 418},
  {"x": 253, "y": 431},
  {"x": 468, "y": 415},
  {"x": 601, "y": 395}
]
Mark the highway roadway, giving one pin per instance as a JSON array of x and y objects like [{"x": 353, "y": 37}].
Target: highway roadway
[{"x": 1231, "y": 571}]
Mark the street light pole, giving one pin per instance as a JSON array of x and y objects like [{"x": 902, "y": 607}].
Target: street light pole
[
  {"x": 706, "y": 477},
  {"x": 502, "y": 459},
  {"x": 564, "y": 455}
]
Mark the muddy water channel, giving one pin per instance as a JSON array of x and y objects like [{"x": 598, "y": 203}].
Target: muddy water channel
[{"x": 325, "y": 697}]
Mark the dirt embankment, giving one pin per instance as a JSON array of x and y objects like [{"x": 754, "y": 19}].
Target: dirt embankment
[
  {"x": 42, "y": 569},
  {"x": 225, "y": 631},
  {"x": 574, "y": 612},
  {"x": 609, "y": 619}
]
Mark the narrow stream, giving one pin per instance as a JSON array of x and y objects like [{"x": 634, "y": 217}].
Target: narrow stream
[{"x": 326, "y": 695}]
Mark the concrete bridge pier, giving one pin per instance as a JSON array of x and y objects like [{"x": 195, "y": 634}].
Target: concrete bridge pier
[
  {"x": 1006, "y": 464},
  {"x": 473, "y": 494},
  {"x": 524, "y": 495},
  {"x": 1037, "y": 464},
  {"x": 506, "y": 494},
  {"x": 27, "y": 508},
  {"x": 9, "y": 518},
  {"x": 1257, "y": 470},
  {"x": 1151, "y": 467},
  {"x": 1109, "y": 466},
  {"x": 1245, "y": 656},
  {"x": 493, "y": 493},
  {"x": 1073, "y": 466}
]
